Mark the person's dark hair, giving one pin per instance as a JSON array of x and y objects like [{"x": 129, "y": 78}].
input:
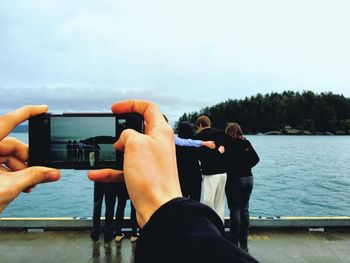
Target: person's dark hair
[
  {"x": 185, "y": 130},
  {"x": 234, "y": 130}
]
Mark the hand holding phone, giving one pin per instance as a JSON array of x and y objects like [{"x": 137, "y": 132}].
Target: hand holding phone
[
  {"x": 15, "y": 177},
  {"x": 150, "y": 170}
]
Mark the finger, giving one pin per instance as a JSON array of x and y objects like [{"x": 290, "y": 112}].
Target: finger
[
  {"x": 13, "y": 163},
  {"x": 10, "y": 120},
  {"x": 106, "y": 175},
  {"x": 148, "y": 110},
  {"x": 28, "y": 190},
  {"x": 124, "y": 137},
  {"x": 13, "y": 147},
  {"x": 32, "y": 176},
  {"x": 145, "y": 125},
  {"x": 4, "y": 169}
]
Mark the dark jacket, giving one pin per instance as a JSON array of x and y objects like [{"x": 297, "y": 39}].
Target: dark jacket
[
  {"x": 240, "y": 157},
  {"x": 183, "y": 230},
  {"x": 189, "y": 171},
  {"x": 212, "y": 161}
]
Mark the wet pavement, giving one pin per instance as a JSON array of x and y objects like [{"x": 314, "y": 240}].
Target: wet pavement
[{"x": 76, "y": 246}]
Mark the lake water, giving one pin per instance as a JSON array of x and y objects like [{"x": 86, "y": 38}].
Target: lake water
[{"x": 296, "y": 176}]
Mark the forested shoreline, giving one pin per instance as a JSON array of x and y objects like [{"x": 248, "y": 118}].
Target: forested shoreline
[{"x": 282, "y": 113}]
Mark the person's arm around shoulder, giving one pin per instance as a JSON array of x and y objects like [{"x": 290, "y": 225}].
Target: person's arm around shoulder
[
  {"x": 15, "y": 177},
  {"x": 193, "y": 143}
]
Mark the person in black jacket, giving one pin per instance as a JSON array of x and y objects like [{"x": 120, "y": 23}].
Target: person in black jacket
[
  {"x": 188, "y": 165},
  {"x": 174, "y": 229},
  {"x": 240, "y": 158}
]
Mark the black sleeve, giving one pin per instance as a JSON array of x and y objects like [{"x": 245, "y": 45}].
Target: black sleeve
[
  {"x": 221, "y": 139},
  {"x": 183, "y": 230},
  {"x": 252, "y": 156}
]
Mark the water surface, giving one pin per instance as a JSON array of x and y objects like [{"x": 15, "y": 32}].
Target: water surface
[{"x": 296, "y": 176}]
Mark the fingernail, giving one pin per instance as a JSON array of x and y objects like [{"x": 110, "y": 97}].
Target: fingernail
[{"x": 51, "y": 176}]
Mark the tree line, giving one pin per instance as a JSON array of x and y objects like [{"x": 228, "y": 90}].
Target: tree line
[{"x": 286, "y": 112}]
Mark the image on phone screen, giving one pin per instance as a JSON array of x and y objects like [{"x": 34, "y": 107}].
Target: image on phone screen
[
  {"x": 83, "y": 140},
  {"x": 79, "y": 141}
]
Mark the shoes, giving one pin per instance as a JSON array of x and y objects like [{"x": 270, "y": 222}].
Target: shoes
[
  {"x": 119, "y": 237},
  {"x": 108, "y": 235},
  {"x": 95, "y": 233},
  {"x": 134, "y": 237}
]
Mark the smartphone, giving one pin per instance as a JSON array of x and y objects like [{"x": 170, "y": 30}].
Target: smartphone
[{"x": 79, "y": 140}]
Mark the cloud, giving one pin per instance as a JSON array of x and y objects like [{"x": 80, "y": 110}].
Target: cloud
[
  {"x": 94, "y": 99},
  {"x": 184, "y": 54}
]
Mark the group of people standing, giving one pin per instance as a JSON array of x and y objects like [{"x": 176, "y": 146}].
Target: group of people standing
[
  {"x": 212, "y": 165},
  {"x": 79, "y": 152},
  {"x": 208, "y": 175}
]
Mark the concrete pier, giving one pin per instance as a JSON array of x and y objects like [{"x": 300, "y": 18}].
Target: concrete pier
[
  {"x": 76, "y": 246},
  {"x": 255, "y": 222},
  {"x": 276, "y": 239}
]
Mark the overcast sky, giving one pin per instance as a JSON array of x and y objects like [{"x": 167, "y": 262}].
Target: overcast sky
[{"x": 83, "y": 55}]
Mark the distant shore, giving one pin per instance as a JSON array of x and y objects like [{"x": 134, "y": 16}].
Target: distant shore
[
  {"x": 300, "y": 133},
  {"x": 288, "y": 130}
]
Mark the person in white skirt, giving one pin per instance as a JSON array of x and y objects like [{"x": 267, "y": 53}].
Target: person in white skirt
[{"x": 212, "y": 166}]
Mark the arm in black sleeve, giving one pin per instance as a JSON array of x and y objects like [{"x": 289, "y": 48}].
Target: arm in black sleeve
[
  {"x": 252, "y": 156},
  {"x": 183, "y": 230},
  {"x": 222, "y": 139}
]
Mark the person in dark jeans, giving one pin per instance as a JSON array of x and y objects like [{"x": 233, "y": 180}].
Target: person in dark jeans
[
  {"x": 123, "y": 196},
  {"x": 240, "y": 157},
  {"x": 106, "y": 190},
  {"x": 238, "y": 194}
]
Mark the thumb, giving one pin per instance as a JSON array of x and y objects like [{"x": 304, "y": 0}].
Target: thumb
[
  {"x": 125, "y": 136},
  {"x": 32, "y": 176}
]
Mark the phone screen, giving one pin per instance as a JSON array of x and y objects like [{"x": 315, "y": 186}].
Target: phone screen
[{"x": 79, "y": 141}]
